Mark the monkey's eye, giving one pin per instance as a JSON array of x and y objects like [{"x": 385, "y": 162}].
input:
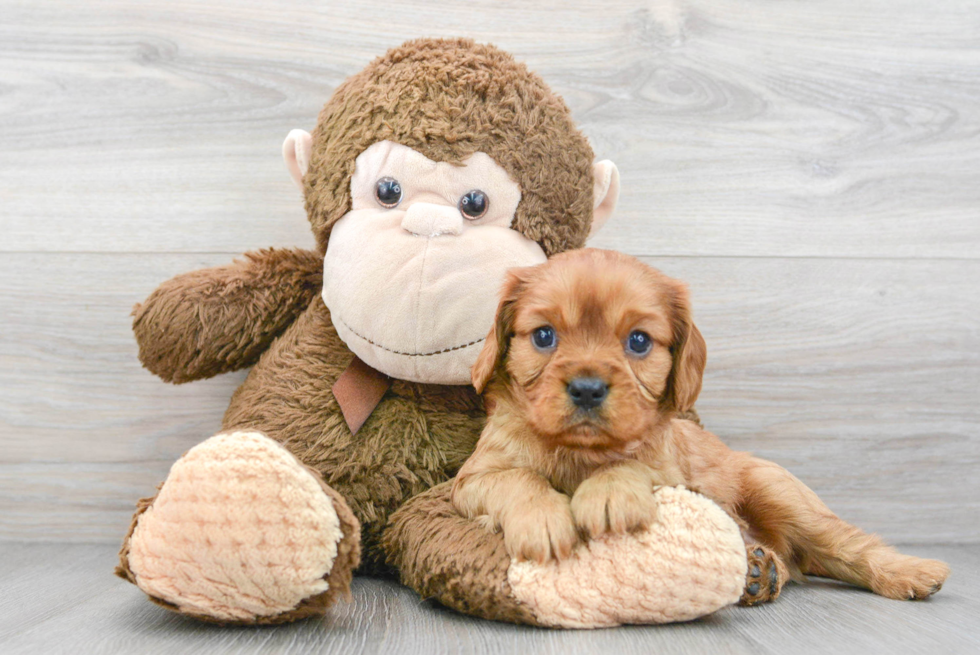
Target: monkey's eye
[
  {"x": 474, "y": 204},
  {"x": 639, "y": 343},
  {"x": 388, "y": 192},
  {"x": 544, "y": 338}
]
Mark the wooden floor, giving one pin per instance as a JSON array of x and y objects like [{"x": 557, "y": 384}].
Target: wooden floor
[{"x": 60, "y": 599}]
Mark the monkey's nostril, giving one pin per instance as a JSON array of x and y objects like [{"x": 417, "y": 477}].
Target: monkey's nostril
[{"x": 587, "y": 392}]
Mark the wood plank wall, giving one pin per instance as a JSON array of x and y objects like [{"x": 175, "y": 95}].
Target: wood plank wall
[{"x": 812, "y": 169}]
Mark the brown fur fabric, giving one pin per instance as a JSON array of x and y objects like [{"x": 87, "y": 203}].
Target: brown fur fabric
[
  {"x": 449, "y": 98},
  {"x": 418, "y": 436},
  {"x": 207, "y": 322},
  {"x": 453, "y": 560}
]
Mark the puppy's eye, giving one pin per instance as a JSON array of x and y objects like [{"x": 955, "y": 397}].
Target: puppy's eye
[
  {"x": 474, "y": 204},
  {"x": 544, "y": 338},
  {"x": 639, "y": 342},
  {"x": 388, "y": 192}
]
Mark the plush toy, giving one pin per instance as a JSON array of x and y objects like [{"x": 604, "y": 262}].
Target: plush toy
[{"x": 429, "y": 173}]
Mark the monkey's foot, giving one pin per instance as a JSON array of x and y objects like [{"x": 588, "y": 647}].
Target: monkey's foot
[
  {"x": 242, "y": 532},
  {"x": 766, "y": 577}
]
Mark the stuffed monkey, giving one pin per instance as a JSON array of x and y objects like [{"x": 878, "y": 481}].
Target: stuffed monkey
[{"x": 429, "y": 174}]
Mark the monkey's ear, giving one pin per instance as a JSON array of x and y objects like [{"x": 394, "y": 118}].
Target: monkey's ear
[
  {"x": 605, "y": 193},
  {"x": 495, "y": 346},
  {"x": 296, "y": 151}
]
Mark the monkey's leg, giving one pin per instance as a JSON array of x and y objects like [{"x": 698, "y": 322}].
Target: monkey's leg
[
  {"x": 688, "y": 563},
  {"x": 790, "y": 518},
  {"x": 242, "y": 532}
]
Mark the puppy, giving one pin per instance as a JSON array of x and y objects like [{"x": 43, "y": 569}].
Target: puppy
[{"x": 592, "y": 361}]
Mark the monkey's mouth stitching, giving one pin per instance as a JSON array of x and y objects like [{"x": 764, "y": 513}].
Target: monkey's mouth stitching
[{"x": 398, "y": 352}]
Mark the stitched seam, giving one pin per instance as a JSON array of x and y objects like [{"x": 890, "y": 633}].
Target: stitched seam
[{"x": 398, "y": 352}]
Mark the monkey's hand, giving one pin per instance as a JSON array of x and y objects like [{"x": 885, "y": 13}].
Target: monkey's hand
[
  {"x": 221, "y": 319},
  {"x": 541, "y": 530},
  {"x": 616, "y": 499}
]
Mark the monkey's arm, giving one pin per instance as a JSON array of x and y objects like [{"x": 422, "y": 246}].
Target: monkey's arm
[{"x": 221, "y": 319}]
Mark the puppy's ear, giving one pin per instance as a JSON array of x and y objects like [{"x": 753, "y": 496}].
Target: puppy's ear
[
  {"x": 495, "y": 347},
  {"x": 690, "y": 355}
]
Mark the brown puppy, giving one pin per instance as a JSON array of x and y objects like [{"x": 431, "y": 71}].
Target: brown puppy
[{"x": 592, "y": 357}]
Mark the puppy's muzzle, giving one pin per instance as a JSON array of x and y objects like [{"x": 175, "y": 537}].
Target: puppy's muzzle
[{"x": 587, "y": 392}]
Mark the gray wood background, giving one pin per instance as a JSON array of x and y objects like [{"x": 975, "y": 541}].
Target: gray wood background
[{"x": 812, "y": 169}]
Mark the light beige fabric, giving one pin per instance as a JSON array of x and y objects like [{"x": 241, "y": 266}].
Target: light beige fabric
[
  {"x": 605, "y": 193},
  {"x": 296, "y": 152},
  {"x": 690, "y": 563},
  {"x": 239, "y": 530},
  {"x": 412, "y": 290}
]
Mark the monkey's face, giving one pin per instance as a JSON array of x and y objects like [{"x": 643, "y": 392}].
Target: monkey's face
[{"x": 412, "y": 270}]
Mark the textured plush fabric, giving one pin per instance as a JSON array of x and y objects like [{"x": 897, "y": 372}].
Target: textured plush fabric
[
  {"x": 296, "y": 151},
  {"x": 690, "y": 563},
  {"x": 423, "y": 181},
  {"x": 240, "y": 531},
  {"x": 221, "y": 319},
  {"x": 405, "y": 313},
  {"x": 199, "y": 324},
  {"x": 605, "y": 194},
  {"x": 451, "y": 559},
  {"x": 450, "y": 98},
  {"x": 417, "y": 436}
]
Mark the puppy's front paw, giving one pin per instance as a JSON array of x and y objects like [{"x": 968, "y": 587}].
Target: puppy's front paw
[
  {"x": 541, "y": 531},
  {"x": 606, "y": 504}
]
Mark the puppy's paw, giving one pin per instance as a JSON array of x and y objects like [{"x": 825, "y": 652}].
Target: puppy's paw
[
  {"x": 606, "y": 504},
  {"x": 541, "y": 531},
  {"x": 765, "y": 578},
  {"x": 909, "y": 578}
]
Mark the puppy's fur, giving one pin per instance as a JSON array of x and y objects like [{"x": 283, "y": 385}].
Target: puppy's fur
[{"x": 546, "y": 471}]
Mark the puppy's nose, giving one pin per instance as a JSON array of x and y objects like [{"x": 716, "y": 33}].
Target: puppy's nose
[{"x": 587, "y": 393}]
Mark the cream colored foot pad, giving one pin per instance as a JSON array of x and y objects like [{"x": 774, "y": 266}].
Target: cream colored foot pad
[
  {"x": 691, "y": 562},
  {"x": 240, "y": 529}
]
